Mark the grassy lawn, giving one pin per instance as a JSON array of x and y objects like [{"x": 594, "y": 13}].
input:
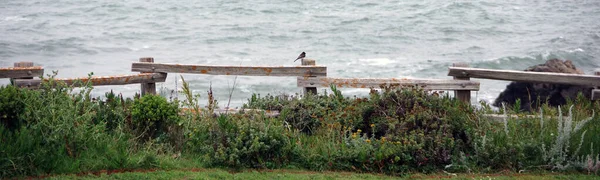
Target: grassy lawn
[{"x": 299, "y": 174}]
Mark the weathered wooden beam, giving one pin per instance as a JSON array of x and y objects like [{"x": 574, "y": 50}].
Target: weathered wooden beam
[
  {"x": 595, "y": 94},
  {"x": 217, "y": 112},
  {"x": 526, "y": 76},
  {"x": 99, "y": 81},
  {"x": 20, "y": 72},
  {"x": 22, "y": 64},
  {"x": 425, "y": 84},
  {"x": 231, "y": 70}
]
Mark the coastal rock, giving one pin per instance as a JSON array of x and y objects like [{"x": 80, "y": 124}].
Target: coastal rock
[{"x": 534, "y": 94}]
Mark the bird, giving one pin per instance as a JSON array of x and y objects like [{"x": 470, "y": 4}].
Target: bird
[{"x": 302, "y": 55}]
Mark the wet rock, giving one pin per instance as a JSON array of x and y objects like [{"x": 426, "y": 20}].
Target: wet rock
[{"x": 532, "y": 95}]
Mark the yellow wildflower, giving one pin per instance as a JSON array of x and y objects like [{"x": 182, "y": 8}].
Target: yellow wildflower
[
  {"x": 372, "y": 125},
  {"x": 368, "y": 141}
]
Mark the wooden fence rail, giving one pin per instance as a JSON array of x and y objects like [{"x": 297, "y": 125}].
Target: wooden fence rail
[
  {"x": 526, "y": 76},
  {"x": 99, "y": 80},
  {"x": 20, "y": 72},
  {"x": 231, "y": 70},
  {"x": 425, "y": 84}
]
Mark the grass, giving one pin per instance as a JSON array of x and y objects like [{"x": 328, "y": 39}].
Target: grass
[{"x": 300, "y": 174}]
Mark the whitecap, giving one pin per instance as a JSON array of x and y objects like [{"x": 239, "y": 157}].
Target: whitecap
[
  {"x": 575, "y": 50},
  {"x": 245, "y": 89},
  {"x": 16, "y": 18},
  {"x": 377, "y": 61}
]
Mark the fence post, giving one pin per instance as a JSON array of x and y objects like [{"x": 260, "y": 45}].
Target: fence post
[
  {"x": 22, "y": 64},
  {"x": 311, "y": 90},
  {"x": 462, "y": 95},
  {"x": 148, "y": 88},
  {"x": 596, "y": 90}
]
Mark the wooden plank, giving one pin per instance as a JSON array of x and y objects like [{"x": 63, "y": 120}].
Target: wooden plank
[
  {"x": 426, "y": 84},
  {"x": 21, "y": 72},
  {"x": 217, "y": 112},
  {"x": 231, "y": 70},
  {"x": 526, "y": 76},
  {"x": 595, "y": 94},
  {"x": 99, "y": 81}
]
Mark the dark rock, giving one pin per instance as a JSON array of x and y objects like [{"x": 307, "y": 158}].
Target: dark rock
[{"x": 532, "y": 95}]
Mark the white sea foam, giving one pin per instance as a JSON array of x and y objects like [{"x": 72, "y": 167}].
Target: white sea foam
[
  {"x": 376, "y": 61},
  {"x": 16, "y": 18},
  {"x": 575, "y": 50}
]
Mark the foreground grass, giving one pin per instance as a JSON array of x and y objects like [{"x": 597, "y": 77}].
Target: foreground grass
[
  {"x": 222, "y": 174},
  {"x": 299, "y": 174}
]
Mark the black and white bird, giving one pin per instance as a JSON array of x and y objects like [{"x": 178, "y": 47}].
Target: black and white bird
[{"x": 302, "y": 55}]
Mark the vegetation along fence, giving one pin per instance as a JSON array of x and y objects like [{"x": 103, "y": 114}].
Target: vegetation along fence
[{"x": 309, "y": 77}]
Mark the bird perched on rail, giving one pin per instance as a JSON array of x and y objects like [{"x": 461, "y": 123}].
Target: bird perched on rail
[{"x": 302, "y": 55}]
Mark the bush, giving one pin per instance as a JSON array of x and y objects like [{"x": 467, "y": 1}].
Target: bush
[
  {"x": 437, "y": 127},
  {"x": 152, "y": 115},
  {"x": 240, "y": 141},
  {"x": 311, "y": 112},
  {"x": 390, "y": 132},
  {"x": 11, "y": 107},
  {"x": 60, "y": 136},
  {"x": 112, "y": 111}
]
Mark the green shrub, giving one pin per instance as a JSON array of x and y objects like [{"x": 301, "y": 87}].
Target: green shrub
[
  {"x": 553, "y": 139},
  {"x": 11, "y": 107},
  {"x": 311, "y": 112},
  {"x": 112, "y": 111},
  {"x": 240, "y": 141},
  {"x": 304, "y": 114},
  {"x": 60, "y": 136},
  {"x": 269, "y": 102},
  {"x": 391, "y": 132},
  {"x": 438, "y": 127},
  {"x": 152, "y": 115}
]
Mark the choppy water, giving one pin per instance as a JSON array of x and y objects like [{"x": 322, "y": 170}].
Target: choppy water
[{"x": 371, "y": 38}]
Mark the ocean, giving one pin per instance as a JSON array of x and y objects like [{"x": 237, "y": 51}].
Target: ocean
[{"x": 359, "y": 39}]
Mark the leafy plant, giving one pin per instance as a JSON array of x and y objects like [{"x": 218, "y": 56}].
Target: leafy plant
[
  {"x": 112, "y": 111},
  {"x": 237, "y": 141},
  {"x": 152, "y": 115},
  {"x": 11, "y": 107}
]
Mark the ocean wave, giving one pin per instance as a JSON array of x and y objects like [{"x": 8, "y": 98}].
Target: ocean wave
[
  {"x": 16, "y": 18},
  {"x": 364, "y": 19}
]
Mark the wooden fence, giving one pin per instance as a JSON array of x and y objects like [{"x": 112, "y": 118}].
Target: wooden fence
[
  {"x": 528, "y": 76},
  {"x": 309, "y": 77}
]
